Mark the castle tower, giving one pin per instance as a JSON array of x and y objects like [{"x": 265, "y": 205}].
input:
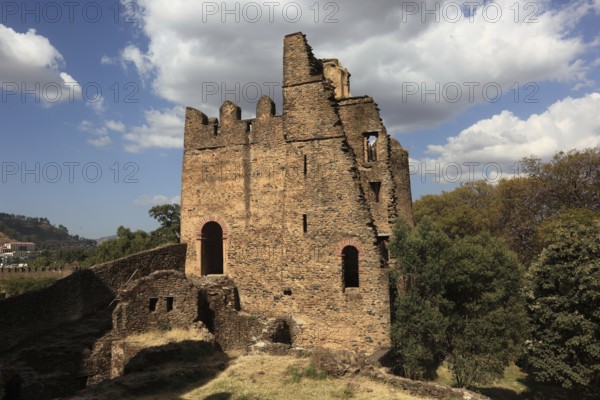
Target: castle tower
[{"x": 297, "y": 207}]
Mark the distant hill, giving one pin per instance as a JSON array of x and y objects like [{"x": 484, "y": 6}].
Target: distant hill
[
  {"x": 105, "y": 238},
  {"x": 38, "y": 230},
  {"x": 4, "y": 238}
]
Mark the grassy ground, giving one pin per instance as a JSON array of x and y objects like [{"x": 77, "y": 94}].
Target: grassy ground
[
  {"x": 21, "y": 284},
  {"x": 264, "y": 377},
  {"x": 510, "y": 387}
]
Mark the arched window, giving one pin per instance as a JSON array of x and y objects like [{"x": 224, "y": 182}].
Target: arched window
[
  {"x": 212, "y": 249},
  {"x": 350, "y": 266}
]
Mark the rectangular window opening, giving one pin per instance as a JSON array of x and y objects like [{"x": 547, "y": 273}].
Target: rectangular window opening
[
  {"x": 152, "y": 304},
  {"x": 375, "y": 188},
  {"x": 384, "y": 255},
  {"x": 304, "y": 223},
  {"x": 169, "y": 303},
  {"x": 305, "y": 165},
  {"x": 370, "y": 146},
  {"x": 287, "y": 292}
]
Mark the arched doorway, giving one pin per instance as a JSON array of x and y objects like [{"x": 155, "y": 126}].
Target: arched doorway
[
  {"x": 212, "y": 249},
  {"x": 350, "y": 266}
]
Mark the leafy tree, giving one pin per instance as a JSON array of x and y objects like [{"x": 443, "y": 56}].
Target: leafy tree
[
  {"x": 470, "y": 209},
  {"x": 419, "y": 327},
  {"x": 517, "y": 209},
  {"x": 168, "y": 215},
  {"x": 487, "y": 320},
  {"x": 126, "y": 243},
  {"x": 564, "y": 309},
  {"x": 570, "y": 179},
  {"x": 129, "y": 242},
  {"x": 460, "y": 300}
]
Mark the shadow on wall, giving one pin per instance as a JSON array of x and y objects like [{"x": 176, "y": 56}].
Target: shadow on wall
[
  {"x": 47, "y": 334},
  {"x": 171, "y": 369},
  {"x": 80, "y": 294}
]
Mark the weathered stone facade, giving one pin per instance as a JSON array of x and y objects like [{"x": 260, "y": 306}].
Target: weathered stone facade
[{"x": 297, "y": 208}]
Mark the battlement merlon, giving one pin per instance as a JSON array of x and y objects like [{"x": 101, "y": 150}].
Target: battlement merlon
[{"x": 229, "y": 129}]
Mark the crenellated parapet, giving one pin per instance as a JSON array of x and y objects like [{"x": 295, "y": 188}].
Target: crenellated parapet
[{"x": 202, "y": 132}]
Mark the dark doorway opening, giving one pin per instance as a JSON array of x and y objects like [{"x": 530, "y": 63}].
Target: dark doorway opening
[
  {"x": 212, "y": 249},
  {"x": 350, "y": 266}
]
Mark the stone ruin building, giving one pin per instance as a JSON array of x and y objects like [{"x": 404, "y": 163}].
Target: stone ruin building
[
  {"x": 297, "y": 208},
  {"x": 285, "y": 220}
]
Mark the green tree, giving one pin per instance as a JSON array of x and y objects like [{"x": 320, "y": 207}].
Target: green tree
[
  {"x": 169, "y": 218},
  {"x": 518, "y": 209},
  {"x": 418, "y": 330},
  {"x": 564, "y": 309},
  {"x": 458, "y": 300},
  {"x": 571, "y": 179},
  {"x": 469, "y": 209},
  {"x": 486, "y": 309},
  {"x": 126, "y": 243},
  {"x": 129, "y": 242}
]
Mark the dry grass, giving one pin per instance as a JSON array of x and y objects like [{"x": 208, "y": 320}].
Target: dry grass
[
  {"x": 511, "y": 385},
  {"x": 160, "y": 338},
  {"x": 264, "y": 377},
  {"x": 285, "y": 377}
]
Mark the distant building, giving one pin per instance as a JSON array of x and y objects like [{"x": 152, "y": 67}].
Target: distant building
[
  {"x": 18, "y": 249},
  {"x": 18, "y": 246}
]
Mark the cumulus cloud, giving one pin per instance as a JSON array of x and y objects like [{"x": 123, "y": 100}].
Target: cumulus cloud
[
  {"x": 157, "y": 199},
  {"x": 503, "y": 139},
  {"x": 192, "y": 47},
  {"x": 30, "y": 64},
  {"x": 142, "y": 62},
  {"x": 100, "y": 132},
  {"x": 163, "y": 129},
  {"x": 116, "y": 126},
  {"x": 106, "y": 60},
  {"x": 102, "y": 141}
]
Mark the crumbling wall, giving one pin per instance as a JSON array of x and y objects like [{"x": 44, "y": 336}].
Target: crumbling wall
[
  {"x": 401, "y": 174},
  {"x": 80, "y": 294},
  {"x": 219, "y": 310},
  {"x": 161, "y": 301},
  {"x": 207, "y": 305}
]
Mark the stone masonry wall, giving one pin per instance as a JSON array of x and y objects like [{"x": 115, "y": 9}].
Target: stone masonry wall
[
  {"x": 290, "y": 192},
  {"x": 162, "y": 300},
  {"x": 79, "y": 294}
]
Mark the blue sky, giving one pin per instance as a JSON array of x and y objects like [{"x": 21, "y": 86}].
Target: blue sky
[{"x": 93, "y": 92}]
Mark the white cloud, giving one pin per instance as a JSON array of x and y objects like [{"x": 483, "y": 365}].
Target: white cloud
[
  {"x": 100, "y": 133},
  {"x": 27, "y": 49},
  {"x": 571, "y": 123},
  {"x": 106, "y": 60},
  {"x": 384, "y": 47},
  {"x": 97, "y": 104},
  {"x": 163, "y": 129},
  {"x": 157, "y": 199},
  {"x": 116, "y": 126},
  {"x": 142, "y": 62},
  {"x": 90, "y": 127},
  {"x": 102, "y": 141},
  {"x": 30, "y": 64}
]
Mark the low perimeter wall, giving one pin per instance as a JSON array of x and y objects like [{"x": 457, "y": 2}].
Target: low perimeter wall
[{"x": 79, "y": 294}]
